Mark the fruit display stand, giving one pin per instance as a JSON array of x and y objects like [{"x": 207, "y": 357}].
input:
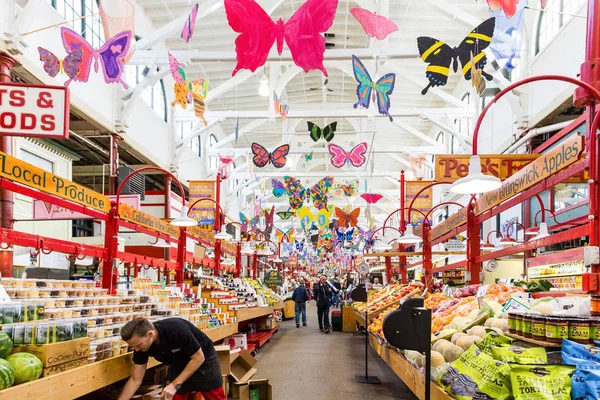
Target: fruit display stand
[{"x": 89, "y": 378}]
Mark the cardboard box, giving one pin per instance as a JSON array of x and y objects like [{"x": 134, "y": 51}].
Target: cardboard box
[
  {"x": 145, "y": 392},
  {"x": 57, "y": 353},
  {"x": 242, "y": 368},
  {"x": 258, "y": 389},
  {"x": 223, "y": 353},
  {"x": 237, "y": 341},
  {"x": 267, "y": 324},
  {"x": 57, "y": 369}
]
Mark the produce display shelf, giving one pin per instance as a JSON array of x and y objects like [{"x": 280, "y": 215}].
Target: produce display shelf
[
  {"x": 259, "y": 339},
  {"x": 89, "y": 378},
  {"x": 541, "y": 343},
  {"x": 360, "y": 318},
  {"x": 406, "y": 371},
  {"x": 555, "y": 275},
  {"x": 255, "y": 312}
]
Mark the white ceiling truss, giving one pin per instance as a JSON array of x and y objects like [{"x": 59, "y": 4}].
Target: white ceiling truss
[{"x": 312, "y": 97}]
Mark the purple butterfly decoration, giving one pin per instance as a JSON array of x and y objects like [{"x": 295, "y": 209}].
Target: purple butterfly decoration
[
  {"x": 190, "y": 23},
  {"x": 278, "y": 188}
]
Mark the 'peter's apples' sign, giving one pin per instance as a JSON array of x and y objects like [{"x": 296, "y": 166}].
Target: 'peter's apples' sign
[{"x": 34, "y": 110}]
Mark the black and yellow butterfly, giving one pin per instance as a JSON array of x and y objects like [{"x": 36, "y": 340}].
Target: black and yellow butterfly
[
  {"x": 285, "y": 215},
  {"x": 327, "y": 133},
  {"x": 439, "y": 55}
]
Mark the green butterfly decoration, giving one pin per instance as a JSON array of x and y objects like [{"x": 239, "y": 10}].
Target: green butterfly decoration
[{"x": 308, "y": 157}]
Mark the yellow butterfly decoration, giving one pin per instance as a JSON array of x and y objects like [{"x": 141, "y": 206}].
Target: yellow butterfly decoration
[
  {"x": 348, "y": 190},
  {"x": 187, "y": 92}
]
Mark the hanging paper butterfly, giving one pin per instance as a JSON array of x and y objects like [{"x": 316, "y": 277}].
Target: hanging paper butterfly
[
  {"x": 110, "y": 55},
  {"x": 280, "y": 108},
  {"x": 262, "y": 157},
  {"x": 316, "y": 132},
  {"x": 278, "y": 188},
  {"x": 371, "y": 198},
  {"x": 439, "y": 55},
  {"x": 190, "y": 23},
  {"x": 187, "y": 92},
  {"x": 299, "y": 246},
  {"x": 508, "y": 6},
  {"x": 287, "y": 236},
  {"x": 345, "y": 236},
  {"x": 380, "y": 91},
  {"x": 302, "y": 33},
  {"x": 285, "y": 215},
  {"x": 308, "y": 157},
  {"x": 347, "y": 219},
  {"x": 298, "y": 193},
  {"x": 269, "y": 217},
  {"x": 375, "y": 26},
  {"x": 356, "y": 156},
  {"x": 349, "y": 190},
  {"x": 54, "y": 65},
  {"x": 365, "y": 236},
  {"x": 249, "y": 223}
]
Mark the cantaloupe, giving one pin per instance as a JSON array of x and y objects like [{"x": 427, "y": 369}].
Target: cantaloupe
[
  {"x": 437, "y": 359},
  {"x": 465, "y": 342},
  {"x": 452, "y": 352},
  {"x": 488, "y": 322},
  {"x": 477, "y": 331},
  {"x": 456, "y": 336},
  {"x": 420, "y": 360},
  {"x": 500, "y": 324},
  {"x": 440, "y": 345}
]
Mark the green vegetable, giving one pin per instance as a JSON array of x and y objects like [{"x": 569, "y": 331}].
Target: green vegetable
[
  {"x": 541, "y": 382},
  {"x": 475, "y": 375},
  {"x": 519, "y": 355},
  {"x": 540, "y": 285}
]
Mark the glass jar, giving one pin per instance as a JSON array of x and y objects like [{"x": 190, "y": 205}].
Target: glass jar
[
  {"x": 527, "y": 325},
  {"x": 553, "y": 330},
  {"x": 579, "y": 330},
  {"x": 512, "y": 323},
  {"x": 594, "y": 329},
  {"x": 519, "y": 324},
  {"x": 538, "y": 327}
]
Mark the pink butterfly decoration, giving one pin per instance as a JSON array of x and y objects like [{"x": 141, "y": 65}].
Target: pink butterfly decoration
[
  {"x": 190, "y": 23},
  {"x": 371, "y": 198},
  {"x": 110, "y": 55},
  {"x": 258, "y": 33},
  {"x": 375, "y": 26},
  {"x": 339, "y": 156}
]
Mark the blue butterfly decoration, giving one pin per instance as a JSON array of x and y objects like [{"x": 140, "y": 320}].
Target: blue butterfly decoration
[
  {"x": 383, "y": 88},
  {"x": 345, "y": 236}
]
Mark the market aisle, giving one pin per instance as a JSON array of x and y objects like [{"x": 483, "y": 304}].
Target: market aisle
[{"x": 301, "y": 362}]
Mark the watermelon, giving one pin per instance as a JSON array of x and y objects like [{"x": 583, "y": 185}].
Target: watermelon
[
  {"x": 7, "y": 374},
  {"x": 6, "y": 345},
  {"x": 27, "y": 367}
]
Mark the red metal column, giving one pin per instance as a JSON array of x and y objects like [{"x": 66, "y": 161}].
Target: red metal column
[
  {"x": 111, "y": 242},
  {"x": 238, "y": 260},
  {"x": 388, "y": 268},
  {"x": 113, "y": 173},
  {"x": 427, "y": 260},
  {"x": 6, "y": 197},
  {"x": 217, "y": 257},
  {"x": 403, "y": 202},
  {"x": 255, "y": 266},
  {"x": 217, "y": 226},
  {"x": 590, "y": 69},
  {"x": 168, "y": 182},
  {"x": 473, "y": 244},
  {"x": 181, "y": 250},
  {"x": 403, "y": 262}
]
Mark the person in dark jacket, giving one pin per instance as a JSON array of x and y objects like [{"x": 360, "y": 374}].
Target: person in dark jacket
[
  {"x": 322, "y": 295},
  {"x": 300, "y": 298}
]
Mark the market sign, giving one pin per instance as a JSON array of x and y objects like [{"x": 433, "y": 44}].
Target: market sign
[
  {"x": 34, "y": 110},
  {"x": 451, "y": 167},
  {"x": 559, "y": 157},
  {"x": 454, "y": 245},
  {"x": 19, "y": 171},
  {"x": 273, "y": 279},
  {"x": 209, "y": 237},
  {"x": 203, "y": 212},
  {"x": 423, "y": 203},
  {"x": 146, "y": 220}
]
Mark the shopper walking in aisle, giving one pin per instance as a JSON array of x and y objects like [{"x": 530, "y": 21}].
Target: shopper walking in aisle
[
  {"x": 300, "y": 298},
  {"x": 194, "y": 371},
  {"x": 322, "y": 295},
  {"x": 335, "y": 295}
]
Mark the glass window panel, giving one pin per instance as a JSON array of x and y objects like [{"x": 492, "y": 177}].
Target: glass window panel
[{"x": 568, "y": 194}]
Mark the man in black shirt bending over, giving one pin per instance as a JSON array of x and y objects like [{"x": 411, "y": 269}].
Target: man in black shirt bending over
[{"x": 194, "y": 368}]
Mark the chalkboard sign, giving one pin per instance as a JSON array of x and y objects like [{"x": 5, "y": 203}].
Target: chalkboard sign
[{"x": 273, "y": 279}]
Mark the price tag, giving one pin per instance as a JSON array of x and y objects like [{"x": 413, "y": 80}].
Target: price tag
[
  {"x": 4, "y": 298},
  {"x": 445, "y": 290},
  {"x": 482, "y": 291},
  {"x": 514, "y": 305}
]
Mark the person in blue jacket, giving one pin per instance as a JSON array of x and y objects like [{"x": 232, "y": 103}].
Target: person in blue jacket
[{"x": 300, "y": 297}]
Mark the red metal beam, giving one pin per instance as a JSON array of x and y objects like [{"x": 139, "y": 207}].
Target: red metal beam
[
  {"x": 535, "y": 244},
  {"x": 47, "y": 244},
  {"x": 141, "y": 229},
  {"x": 145, "y": 260},
  {"x": 454, "y": 265},
  {"x": 36, "y": 194}
]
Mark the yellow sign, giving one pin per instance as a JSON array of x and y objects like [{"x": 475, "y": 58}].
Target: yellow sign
[
  {"x": 423, "y": 203},
  {"x": 209, "y": 237},
  {"x": 204, "y": 211},
  {"x": 450, "y": 167},
  {"x": 559, "y": 157},
  {"x": 146, "y": 220},
  {"x": 19, "y": 171}
]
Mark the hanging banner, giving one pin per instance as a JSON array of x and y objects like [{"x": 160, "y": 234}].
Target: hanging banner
[
  {"x": 146, "y": 220},
  {"x": 203, "y": 212},
  {"x": 450, "y": 167},
  {"x": 34, "y": 110},
  {"x": 423, "y": 203},
  {"x": 19, "y": 171}
]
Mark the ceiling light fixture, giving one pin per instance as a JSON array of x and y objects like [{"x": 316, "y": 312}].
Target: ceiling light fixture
[
  {"x": 475, "y": 181},
  {"x": 183, "y": 219}
]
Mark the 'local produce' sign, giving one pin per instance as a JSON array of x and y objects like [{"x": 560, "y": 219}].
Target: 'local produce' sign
[
  {"x": 146, "y": 220},
  {"x": 19, "y": 171},
  {"x": 34, "y": 110}
]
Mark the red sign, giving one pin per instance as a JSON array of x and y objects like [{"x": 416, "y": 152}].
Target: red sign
[{"x": 34, "y": 110}]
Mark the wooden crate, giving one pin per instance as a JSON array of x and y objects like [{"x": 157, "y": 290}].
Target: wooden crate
[{"x": 348, "y": 320}]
